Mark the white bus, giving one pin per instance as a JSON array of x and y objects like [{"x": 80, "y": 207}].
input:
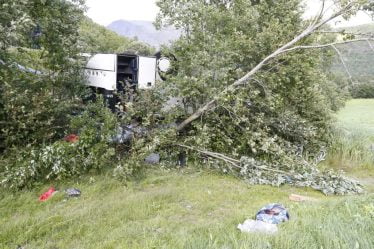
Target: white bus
[{"x": 110, "y": 73}]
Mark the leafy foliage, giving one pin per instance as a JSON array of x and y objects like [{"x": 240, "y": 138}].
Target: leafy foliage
[
  {"x": 302, "y": 175},
  {"x": 281, "y": 118},
  {"x": 35, "y": 107},
  {"x": 283, "y": 114},
  {"x": 60, "y": 160}
]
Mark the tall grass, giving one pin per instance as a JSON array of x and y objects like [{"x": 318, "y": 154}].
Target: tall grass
[
  {"x": 352, "y": 145},
  {"x": 351, "y": 149}
]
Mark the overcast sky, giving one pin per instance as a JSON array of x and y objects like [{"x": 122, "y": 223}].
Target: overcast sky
[{"x": 106, "y": 11}]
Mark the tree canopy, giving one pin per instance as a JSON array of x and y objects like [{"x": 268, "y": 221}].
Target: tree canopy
[{"x": 279, "y": 118}]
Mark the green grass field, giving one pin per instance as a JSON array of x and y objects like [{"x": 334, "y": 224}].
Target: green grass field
[
  {"x": 358, "y": 115},
  {"x": 187, "y": 209},
  {"x": 353, "y": 145}
]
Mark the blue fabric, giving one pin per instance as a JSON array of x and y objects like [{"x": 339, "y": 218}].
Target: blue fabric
[{"x": 273, "y": 214}]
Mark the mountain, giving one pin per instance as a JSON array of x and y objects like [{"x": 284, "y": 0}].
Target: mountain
[{"x": 144, "y": 31}]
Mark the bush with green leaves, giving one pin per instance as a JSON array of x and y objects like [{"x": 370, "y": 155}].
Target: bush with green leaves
[
  {"x": 34, "y": 108},
  {"x": 93, "y": 151},
  {"x": 363, "y": 90}
]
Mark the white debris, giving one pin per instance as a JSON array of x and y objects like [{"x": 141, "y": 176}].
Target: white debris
[{"x": 253, "y": 226}]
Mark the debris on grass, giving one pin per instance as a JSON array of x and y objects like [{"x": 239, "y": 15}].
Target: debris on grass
[
  {"x": 300, "y": 198},
  {"x": 273, "y": 214},
  {"x": 47, "y": 195},
  {"x": 253, "y": 226},
  {"x": 73, "y": 192},
  {"x": 267, "y": 220}
]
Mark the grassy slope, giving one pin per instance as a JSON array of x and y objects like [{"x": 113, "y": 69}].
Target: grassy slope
[
  {"x": 353, "y": 147},
  {"x": 182, "y": 209}
]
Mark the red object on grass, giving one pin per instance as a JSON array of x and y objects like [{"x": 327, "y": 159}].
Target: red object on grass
[
  {"x": 47, "y": 194},
  {"x": 72, "y": 138}
]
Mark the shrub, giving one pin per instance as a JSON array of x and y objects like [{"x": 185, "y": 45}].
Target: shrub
[
  {"x": 33, "y": 112},
  {"x": 363, "y": 91},
  {"x": 61, "y": 159}
]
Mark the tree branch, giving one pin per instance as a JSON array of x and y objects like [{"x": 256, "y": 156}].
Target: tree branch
[
  {"x": 232, "y": 161},
  {"x": 344, "y": 65},
  {"x": 371, "y": 35}
]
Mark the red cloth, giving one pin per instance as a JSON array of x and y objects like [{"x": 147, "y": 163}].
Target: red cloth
[
  {"x": 72, "y": 138},
  {"x": 47, "y": 194}
]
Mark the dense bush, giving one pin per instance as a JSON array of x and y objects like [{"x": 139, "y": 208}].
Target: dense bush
[
  {"x": 96, "y": 127},
  {"x": 34, "y": 107},
  {"x": 363, "y": 91}
]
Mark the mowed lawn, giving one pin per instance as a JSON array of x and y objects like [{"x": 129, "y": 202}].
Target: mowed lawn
[{"x": 185, "y": 208}]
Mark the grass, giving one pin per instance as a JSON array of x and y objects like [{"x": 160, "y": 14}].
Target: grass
[
  {"x": 353, "y": 145},
  {"x": 358, "y": 115},
  {"x": 180, "y": 209},
  {"x": 192, "y": 209}
]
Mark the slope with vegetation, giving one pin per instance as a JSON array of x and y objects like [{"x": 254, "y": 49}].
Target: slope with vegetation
[
  {"x": 96, "y": 38},
  {"x": 353, "y": 143}
]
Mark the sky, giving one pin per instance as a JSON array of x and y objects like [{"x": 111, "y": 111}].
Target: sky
[{"x": 106, "y": 11}]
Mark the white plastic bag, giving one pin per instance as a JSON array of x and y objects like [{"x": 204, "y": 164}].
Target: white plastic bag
[{"x": 253, "y": 226}]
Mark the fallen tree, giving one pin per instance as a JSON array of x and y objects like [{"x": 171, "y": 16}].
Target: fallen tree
[{"x": 245, "y": 95}]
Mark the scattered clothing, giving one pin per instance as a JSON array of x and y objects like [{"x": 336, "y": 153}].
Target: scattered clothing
[
  {"x": 73, "y": 192},
  {"x": 72, "y": 138},
  {"x": 45, "y": 196},
  {"x": 266, "y": 220},
  {"x": 273, "y": 214}
]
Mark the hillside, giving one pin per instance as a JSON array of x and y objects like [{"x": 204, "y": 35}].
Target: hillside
[
  {"x": 97, "y": 38},
  {"x": 358, "y": 56},
  {"x": 144, "y": 31}
]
